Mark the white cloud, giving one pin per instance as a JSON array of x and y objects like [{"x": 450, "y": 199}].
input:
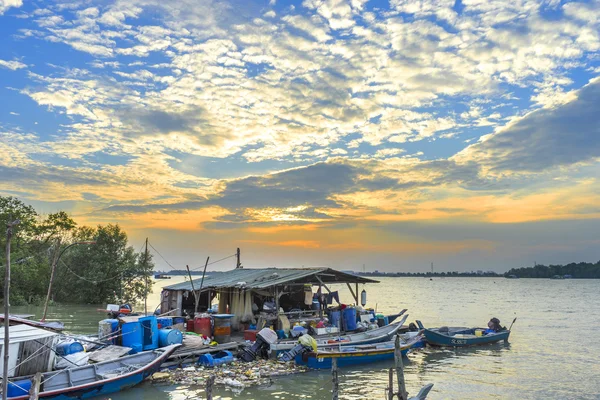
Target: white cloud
[
  {"x": 6, "y": 4},
  {"x": 13, "y": 65}
]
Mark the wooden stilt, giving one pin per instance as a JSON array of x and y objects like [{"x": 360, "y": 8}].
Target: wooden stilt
[
  {"x": 390, "y": 388},
  {"x": 209, "y": 387},
  {"x": 334, "y": 379},
  {"x": 34, "y": 392},
  {"x": 402, "y": 395}
]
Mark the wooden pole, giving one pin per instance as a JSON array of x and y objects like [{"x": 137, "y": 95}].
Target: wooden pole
[
  {"x": 54, "y": 262},
  {"x": 390, "y": 388},
  {"x": 34, "y": 392},
  {"x": 193, "y": 290},
  {"x": 9, "y": 234},
  {"x": 202, "y": 284},
  {"x": 334, "y": 379},
  {"x": 402, "y": 395},
  {"x": 146, "y": 275},
  {"x": 209, "y": 387},
  {"x": 276, "y": 308}
]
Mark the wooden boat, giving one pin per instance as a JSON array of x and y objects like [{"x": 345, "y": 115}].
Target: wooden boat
[
  {"x": 378, "y": 335},
  {"x": 102, "y": 378},
  {"x": 461, "y": 336},
  {"x": 353, "y": 354}
]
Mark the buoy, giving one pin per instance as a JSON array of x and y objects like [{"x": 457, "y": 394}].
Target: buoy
[{"x": 363, "y": 297}]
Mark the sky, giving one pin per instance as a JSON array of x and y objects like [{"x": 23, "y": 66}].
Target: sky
[{"x": 383, "y": 135}]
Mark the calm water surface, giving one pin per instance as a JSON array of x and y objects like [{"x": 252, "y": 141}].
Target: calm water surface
[{"x": 553, "y": 353}]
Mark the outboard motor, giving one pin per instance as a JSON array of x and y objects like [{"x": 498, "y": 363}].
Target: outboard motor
[
  {"x": 305, "y": 343},
  {"x": 264, "y": 339}
]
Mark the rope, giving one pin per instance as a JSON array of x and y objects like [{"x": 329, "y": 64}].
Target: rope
[
  {"x": 214, "y": 262},
  {"x": 157, "y": 252},
  {"x": 89, "y": 280}
]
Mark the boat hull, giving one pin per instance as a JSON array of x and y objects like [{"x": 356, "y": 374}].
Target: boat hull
[
  {"x": 438, "y": 339},
  {"x": 354, "y": 355},
  {"x": 105, "y": 386}
]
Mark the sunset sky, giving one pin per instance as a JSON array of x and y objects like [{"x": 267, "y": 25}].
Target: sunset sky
[{"x": 318, "y": 132}]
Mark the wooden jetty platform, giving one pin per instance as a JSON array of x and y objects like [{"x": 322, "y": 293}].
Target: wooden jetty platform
[{"x": 192, "y": 348}]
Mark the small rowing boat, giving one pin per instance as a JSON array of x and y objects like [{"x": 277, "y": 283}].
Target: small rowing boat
[
  {"x": 354, "y": 354},
  {"x": 462, "y": 336},
  {"x": 97, "y": 379}
]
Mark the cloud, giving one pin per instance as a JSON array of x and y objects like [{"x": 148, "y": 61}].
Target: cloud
[
  {"x": 6, "y": 4},
  {"x": 565, "y": 135},
  {"x": 13, "y": 65}
]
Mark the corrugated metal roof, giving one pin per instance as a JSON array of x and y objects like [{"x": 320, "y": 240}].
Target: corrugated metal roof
[
  {"x": 268, "y": 277},
  {"x": 24, "y": 333}
]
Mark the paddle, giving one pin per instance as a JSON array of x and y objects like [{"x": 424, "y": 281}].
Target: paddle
[{"x": 512, "y": 323}]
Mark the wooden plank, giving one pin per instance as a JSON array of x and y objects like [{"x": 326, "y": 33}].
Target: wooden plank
[
  {"x": 353, "y": 294},
  {"x": 109, "y": 353}
]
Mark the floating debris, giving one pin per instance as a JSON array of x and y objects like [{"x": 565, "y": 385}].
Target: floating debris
[{"x": 236, "y": 375}]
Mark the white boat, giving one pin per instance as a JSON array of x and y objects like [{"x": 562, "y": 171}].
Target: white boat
[{"x": 383, "y": 334}]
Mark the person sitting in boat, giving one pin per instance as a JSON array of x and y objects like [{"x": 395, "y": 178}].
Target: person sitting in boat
[{"x": 494, "y": 326}]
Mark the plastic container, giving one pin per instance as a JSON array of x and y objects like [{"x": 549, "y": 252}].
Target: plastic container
[
  {"x": 203, "y": 325},
  {"x": 478, "y": 332},
  {"x": 66, "y": 348},
  {"x": 334, "y": 318},
  {"x": 222, "y": 329},
  {"x": 189, "y": 325},
  {"x": 212, "y": 360},
  {"x": 316, "y": 305},
  {"x": 281, "y": 334},
  {"x": 250, "y": 335},
  {"x": 132, "y": 336},
  {"x": 349, "y": 318},
  {"x": 164, "y": 322},
  {"x": 169, "y": 336},
  {"x": 135, "y": 348},
  {"x": 149, "y": 332},
  {"x": 108, "y": 327},
  {"x": 18, "y": 388}
]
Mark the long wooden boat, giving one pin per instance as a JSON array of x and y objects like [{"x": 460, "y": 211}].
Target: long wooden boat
[
  {"x": 102, "y": 378},
  {"x": 354, "y": 354},
  {"x": 377, "y": 335},
  {"x": 461, "y": 336}
]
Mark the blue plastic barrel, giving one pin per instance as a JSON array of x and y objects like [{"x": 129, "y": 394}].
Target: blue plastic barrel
[
  {"x": 334, "y": 318},
  {"x": 149, "y": 332},
  {"x": 18, "y": 388},
  {"x": 66, "y": 348},
  {"x": 349, "y": 318},
  {"x": 178, "y": 320},
  {"x": 164, "y": 322},
  {"x": 132, "y": 336},
  {"x": 212, "y": 360},
  {"x": 169, "y": 336}
]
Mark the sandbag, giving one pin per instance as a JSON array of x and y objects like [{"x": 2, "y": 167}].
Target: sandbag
[
  {"x": 308, "y": 341},
  {"x": 72, "y": 360}
]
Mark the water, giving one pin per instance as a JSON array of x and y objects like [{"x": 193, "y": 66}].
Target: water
[{"x": 553, "y": 350}]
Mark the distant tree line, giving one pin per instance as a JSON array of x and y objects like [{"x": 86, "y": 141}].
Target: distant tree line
[
  {"x": 575, "y": 270},
  {"x": 108, "y": 271},
  {"x": 489, "y": 274}
]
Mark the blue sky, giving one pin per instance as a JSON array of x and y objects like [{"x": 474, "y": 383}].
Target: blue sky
[{"x": 317, "y": 131}]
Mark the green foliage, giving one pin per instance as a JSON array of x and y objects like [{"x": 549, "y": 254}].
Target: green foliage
[
  {"x": 575, "y": 270},
  {"x": 107, "y": 271}
]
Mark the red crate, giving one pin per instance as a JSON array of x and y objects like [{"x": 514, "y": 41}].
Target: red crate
[{"x": 250, "y": 334}]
